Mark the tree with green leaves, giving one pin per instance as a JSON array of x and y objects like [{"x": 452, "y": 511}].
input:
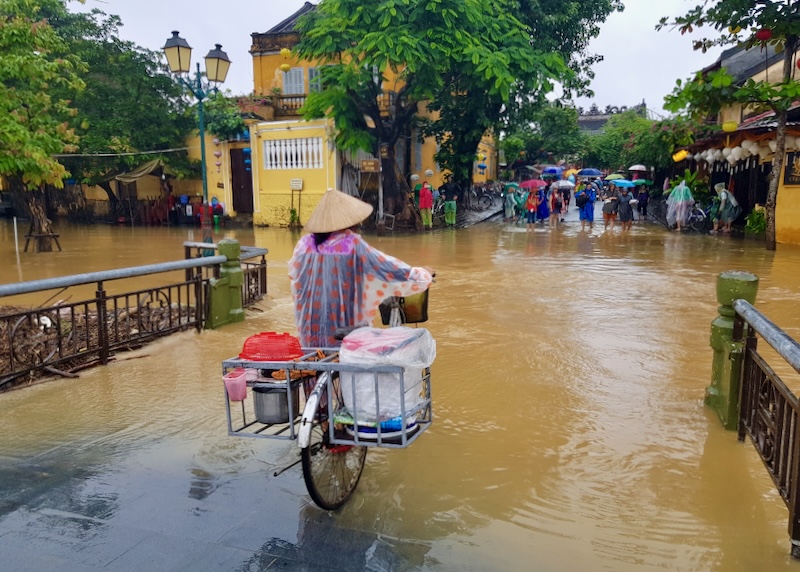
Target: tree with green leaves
[
  {"x": 463, "y": 58},
  {"x": 35, "y": 125},
  {"x": 131, "y": 103},
  {"x": 223, "y": 117},
  {"x": 483, "y": 83},
  {"x": 552, "y": 134},
  {"x": 566, "y": 27},
  {"x": 749, "y": 23},
  {"x": 615, "y": 148},
  {"x": 559, "y": 31}
]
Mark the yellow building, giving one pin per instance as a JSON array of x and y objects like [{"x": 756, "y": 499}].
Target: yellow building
[
  {"x": 296, "y": 161},
  {"x": 745, "y": 150}
]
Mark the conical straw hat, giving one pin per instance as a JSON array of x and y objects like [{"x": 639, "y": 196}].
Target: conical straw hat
[{"x": 337, "y": 211}]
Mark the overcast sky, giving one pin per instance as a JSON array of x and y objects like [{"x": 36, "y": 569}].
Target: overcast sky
[{"x": 640, "y": 63}]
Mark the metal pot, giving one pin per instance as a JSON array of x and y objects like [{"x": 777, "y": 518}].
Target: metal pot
[{"x": 272, "y": 405}]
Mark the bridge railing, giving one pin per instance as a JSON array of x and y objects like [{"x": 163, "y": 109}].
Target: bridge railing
[
  {"x": 768, "y": 410},
  {"x": 254, "y": 267},
  {"x": 67, "y": 336}
]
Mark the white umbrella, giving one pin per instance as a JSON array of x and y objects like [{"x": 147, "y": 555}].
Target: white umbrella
[
  {"x": 637, "y": 168},
  {"x": 564, "y": 184}
]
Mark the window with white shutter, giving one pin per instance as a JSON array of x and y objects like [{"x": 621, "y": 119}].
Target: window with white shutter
[
  {"x": 314, "y": 80},
  {"x": 293, "y": 83}
]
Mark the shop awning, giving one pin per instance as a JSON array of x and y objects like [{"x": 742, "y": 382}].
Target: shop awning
[{"x": 156, "y": 167}]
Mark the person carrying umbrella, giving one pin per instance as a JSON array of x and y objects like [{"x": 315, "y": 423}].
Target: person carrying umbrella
[
  {"x": 542, "y": 210},
  {"x": 643, "y": 196},
  {"x": 610, "y": 206},
  {"x": 531, "y": 206},
  {"x": 510, "y": 201},
  {"x": 555, "y": 204},
  {"x": 584, "y": 200}
]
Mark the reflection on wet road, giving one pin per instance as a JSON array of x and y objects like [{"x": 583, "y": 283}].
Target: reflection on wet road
[{"x": 569, "y": 431}]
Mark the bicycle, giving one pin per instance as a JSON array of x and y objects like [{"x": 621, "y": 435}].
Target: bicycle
[
  {"x": 698, "y": 218},
  {"x": 437, "y": 212},
  {"x": 333, "y": 447},
  {"x": 481, "y": 197}
]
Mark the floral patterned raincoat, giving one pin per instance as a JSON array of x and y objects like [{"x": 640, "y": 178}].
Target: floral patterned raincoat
[{"x": 342, "y": 282}]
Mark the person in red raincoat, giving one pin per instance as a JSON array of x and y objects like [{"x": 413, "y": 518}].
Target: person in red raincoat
[{"x": 426, "y": 205}]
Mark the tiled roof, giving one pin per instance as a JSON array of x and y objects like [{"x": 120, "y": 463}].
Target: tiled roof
[
  {"x": 743, "y": 64},
  {"x": 288, "y": 24}
]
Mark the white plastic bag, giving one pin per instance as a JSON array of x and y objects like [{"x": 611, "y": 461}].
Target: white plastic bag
[{"x": 412, "y": 348}]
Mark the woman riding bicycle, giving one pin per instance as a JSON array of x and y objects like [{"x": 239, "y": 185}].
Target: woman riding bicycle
[{"x": 337, "y": 279}]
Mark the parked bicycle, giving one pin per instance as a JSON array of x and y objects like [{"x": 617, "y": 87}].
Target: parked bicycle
[
  {"x": 480, "y": 198},
  {"x": 437, "y": 212},
  {"x": 698, "y": 219}
]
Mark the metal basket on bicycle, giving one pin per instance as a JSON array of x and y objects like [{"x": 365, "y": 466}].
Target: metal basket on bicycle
[{"x": 374, "y": 392}]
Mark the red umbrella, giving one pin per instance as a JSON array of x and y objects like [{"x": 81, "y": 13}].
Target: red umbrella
[{"x": 532, "y": 184}]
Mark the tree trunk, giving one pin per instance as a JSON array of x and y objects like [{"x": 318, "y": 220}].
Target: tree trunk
[
  {"x": 112, "y": 198},
  {"x": 41, "y": 224},
  {"x": 780, "y": 148},
  {"x": 775, "y": 178},
  {"x": 391, "y": 196}
]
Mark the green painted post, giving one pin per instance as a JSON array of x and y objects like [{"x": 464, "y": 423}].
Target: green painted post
[
  {"x": 225, "y": 301},
  {"x": 723, "y": 393}
]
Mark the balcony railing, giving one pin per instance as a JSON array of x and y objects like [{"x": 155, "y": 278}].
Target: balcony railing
[{"x": 289, "y": 105}]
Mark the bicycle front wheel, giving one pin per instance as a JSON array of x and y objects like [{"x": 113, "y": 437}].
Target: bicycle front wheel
[
  {"x": 485, "y": 202},
  {"x": 698, "y": 221},
  {"x": 331, "y": 471}
]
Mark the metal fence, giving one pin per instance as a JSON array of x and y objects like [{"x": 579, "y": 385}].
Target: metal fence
[
  {"x": 768, "y": 410},
  {"x": 69, "y": 336}
]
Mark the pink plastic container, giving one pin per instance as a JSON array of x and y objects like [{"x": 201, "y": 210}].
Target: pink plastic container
[{"x": 236, "y": 384}]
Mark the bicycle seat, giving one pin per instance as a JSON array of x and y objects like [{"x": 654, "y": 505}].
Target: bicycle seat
[{"x": 340, "y": 333}]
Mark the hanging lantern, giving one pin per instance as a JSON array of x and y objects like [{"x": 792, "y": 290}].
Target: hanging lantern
[
  {"x": 763, "y": 34},
  {"x": 285, "y": 67},
  {"x": 217, "y": 154},
  {"x": 215, "y": 141},
  {"x": 680, "y": 155},
  {"x": 286, "y": 52},
  {"x": 734, "y": 29},
  {"x": 730, "y": 126},
  {"x": 482, "y": 168}
]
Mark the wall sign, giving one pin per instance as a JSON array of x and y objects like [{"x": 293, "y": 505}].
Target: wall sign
[
  {"x": 370, "y": 166},
  {"x": 296, "y": 184},
  {"x": 791, "y": 176}
]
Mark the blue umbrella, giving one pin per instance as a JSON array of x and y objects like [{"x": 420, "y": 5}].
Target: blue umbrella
[
  {"x": 590, "y": 172},
  {"x": 623, "y": 183},
  {"x": 553, "y": 170}
]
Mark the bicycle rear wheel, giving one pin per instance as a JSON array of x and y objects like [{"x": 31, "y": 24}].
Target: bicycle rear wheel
[
  {"x": 485, "y": 202},
  {"x": 331, "y": 472}
]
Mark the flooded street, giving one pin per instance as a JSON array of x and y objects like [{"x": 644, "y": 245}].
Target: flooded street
[{"x": 569, "y": 429}]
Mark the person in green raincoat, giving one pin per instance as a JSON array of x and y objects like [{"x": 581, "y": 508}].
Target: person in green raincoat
[
  {"x": 521, "y": 196},
  {"x": 679, "y": 204}
]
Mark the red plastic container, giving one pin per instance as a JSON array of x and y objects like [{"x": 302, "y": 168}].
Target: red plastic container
[{"x": 271, "y": 346}]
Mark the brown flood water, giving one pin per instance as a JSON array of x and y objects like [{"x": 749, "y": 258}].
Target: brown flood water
[{"x": 569, "y": 430}]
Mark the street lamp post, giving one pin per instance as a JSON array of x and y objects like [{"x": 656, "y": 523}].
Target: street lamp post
[{"x": 179, "y": 57}]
